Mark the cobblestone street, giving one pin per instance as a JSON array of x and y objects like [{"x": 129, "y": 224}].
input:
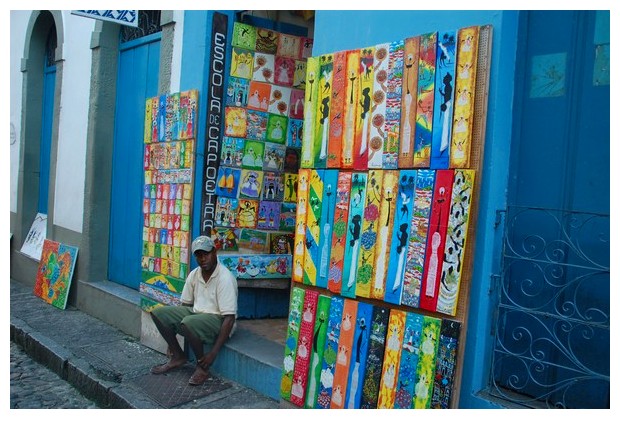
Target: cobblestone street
[{"x": 34, "y": 386}]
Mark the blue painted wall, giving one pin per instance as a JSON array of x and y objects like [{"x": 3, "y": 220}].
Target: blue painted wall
[{"x": 339, "y": 30}]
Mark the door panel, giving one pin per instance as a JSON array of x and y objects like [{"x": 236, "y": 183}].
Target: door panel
[
  {"x": 137, "y": 80},
  {"x": 552, "y": 328},
  {"x": 47, "y": 120}
]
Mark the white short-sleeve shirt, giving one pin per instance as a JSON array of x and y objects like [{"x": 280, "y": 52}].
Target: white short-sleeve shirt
[{"x": 217, "y": 296}]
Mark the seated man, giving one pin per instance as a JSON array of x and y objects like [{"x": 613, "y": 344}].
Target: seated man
[{"x": 207, "y": 315}]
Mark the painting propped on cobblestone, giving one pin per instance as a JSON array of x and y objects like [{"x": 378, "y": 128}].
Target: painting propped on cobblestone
[{"x": 55, "y": 273}]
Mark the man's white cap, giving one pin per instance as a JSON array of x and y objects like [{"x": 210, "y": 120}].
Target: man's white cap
[{"x": 203, "y": 243}]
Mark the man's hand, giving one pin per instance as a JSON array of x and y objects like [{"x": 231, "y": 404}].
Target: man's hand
[{"x": 206, "y": 361}]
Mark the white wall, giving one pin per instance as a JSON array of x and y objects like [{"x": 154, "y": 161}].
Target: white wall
[
  {"x": 18, "y": 23},
  {"x": 72, "y": 114},
  {"x": 73, "y": 122}
]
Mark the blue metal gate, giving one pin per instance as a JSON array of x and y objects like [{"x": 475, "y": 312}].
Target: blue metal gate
[
  {"x": 138, "y": 73},
  {"x": 552, "y": 322}
]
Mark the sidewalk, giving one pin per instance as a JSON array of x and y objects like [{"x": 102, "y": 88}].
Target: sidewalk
[{"x": 112, "y": 368}]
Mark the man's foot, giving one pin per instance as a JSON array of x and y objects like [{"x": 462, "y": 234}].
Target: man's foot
[
  {"x": 168, "y": 366},
  {"x": 198, "y": 377}
]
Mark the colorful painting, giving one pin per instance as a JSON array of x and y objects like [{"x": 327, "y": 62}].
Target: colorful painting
[
  {"x": 330, "y": 353},
  {"x": 354, "y": 233},
  {"x": 250, "y": 183},
  {"x": 368, "y": 238},
  {"x": 242, "y": 63},
  {"x": 310, "y": 103},
  {"x": 254, "y": 266},
  {"x": 445, "y": 366},
  {"x": 284, "y": 71},
  {"x": 400, "y": 238},
  {"x": 289, "y": 46},
  {"x": 414, "y": 265},
  {"x": 231, "y": 153},
  {"x": 425, "y": 100},
  {"x": 275, "y": 154},
  {"x": 359, "y": 352},
  {"x": 226, "y": 212},
  {"x": 444, "y": 99},
  {"x": 385, "y": 227},
  {"x": 299, "y": 77},
  {"x": 393, "y": 102},
  {"x": 343, "y": 357},
  {"x": 259, "y": 96},
  {"x": 236, "y": 122},
  {"x": 188, "y": 114},
  {"x": 313, "y": 227},
  {"x": 321, "y": 118},
  {"x": 436, "y": 243},
  {"x": 292, "y": 336},
  {"x": 268, "y": 215},
  {"x": 409, "y": 361},
  {"x": 247, "y": 214},
  {"x": 276, "y": 128},
  {"x": 464, "y": 93},
  {"x": 391, "y": 359},
  {"x": 226, "y": 239},
  {"x": 237, "y": 92},
  {"x": 266, "y": 40},
  {"x": 290, "y": 185},
  {"x": 363, "y": 113},
  {"x": 306, "y": 47},
  {"x": 376, "y": 136},
  {"x": 253, "y": 241},
  {"x": 350, "y": 107},
  {"x": 253, "y": 155},
  {"x": 300, "y": 225},
  {"x": 339, "y": 234},
  {"x": 244, "y": 36},
  {"x": 297, "y": 110},
  {"x": 281, "y": 243},
  {"x": 456, "y": 241},
  {"x": 256, "y": 125},
  {"x": 264, "y": 66},
  {"x": 279, "y": 101},
  {"x": 337, "y": 101},
  {"x": 148, "y": 121},
  {"x": 295, "y": 133},
  {"x": 273, "y": 187},
  {"x": 374, "y": 360},
  {"x": 409, "y": 99},
  {"x": 304, "y": 348},
  {"x": 330, "y": 183},
  {"x": 55, "y": 273},
  {"x": 162, "y": 282},
  {"x": 288, "y": 215},
  {"x": 227, "y": 184},
  {"x": 425, "y": 371},
  {"x": 318, "y": 347}
]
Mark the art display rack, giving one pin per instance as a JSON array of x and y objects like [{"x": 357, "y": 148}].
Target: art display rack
[{"x": 454, "y": 322}]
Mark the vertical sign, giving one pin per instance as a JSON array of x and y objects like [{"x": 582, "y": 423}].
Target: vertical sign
[{"x": 215, "y": 91}]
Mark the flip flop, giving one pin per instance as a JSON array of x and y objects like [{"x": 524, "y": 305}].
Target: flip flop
[
  {"x": 165, "y": 367},
  {"x": 198, "y": 378}
]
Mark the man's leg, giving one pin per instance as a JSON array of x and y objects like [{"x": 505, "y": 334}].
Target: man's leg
[
  {"x": 198, "y": 330},
  {"x": 164, "y": 319}
]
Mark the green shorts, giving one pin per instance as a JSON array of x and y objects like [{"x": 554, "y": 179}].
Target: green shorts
[{"x": 205, "y": 326}]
